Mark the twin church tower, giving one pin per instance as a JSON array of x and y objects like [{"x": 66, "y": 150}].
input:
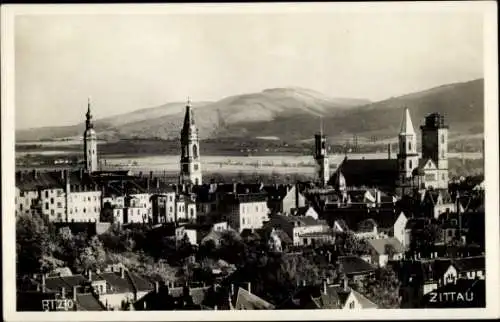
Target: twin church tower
[{"x": 190, "y": 165}]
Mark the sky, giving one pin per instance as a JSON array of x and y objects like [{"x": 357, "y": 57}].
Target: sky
[{"x": 128, "y": 62}]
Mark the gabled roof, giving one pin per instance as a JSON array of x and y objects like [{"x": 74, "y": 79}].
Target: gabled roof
[
  {"x": 363, "y": 300},
  {"x": 352, "y": 265},
  {"x": 249, "y": 301},
  {"x": 379, "y": 245},
  {"x": 88, "y": 302}
]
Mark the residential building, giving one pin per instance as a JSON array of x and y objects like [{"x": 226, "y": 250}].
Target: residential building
[
  {"x": 302, "y": 230},
  {"x": 385, "y": 249},
  {"x": 245, "y": 211}
]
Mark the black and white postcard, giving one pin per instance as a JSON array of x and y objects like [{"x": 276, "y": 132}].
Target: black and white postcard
[{"x": 301, "y": 160}]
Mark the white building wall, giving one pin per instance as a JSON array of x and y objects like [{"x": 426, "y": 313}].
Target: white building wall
[
  {"x": 251, "y": 215},
  {"x": 53, "y": 202},
  {"x": 399, "y": 229},
  {"x": 84, "y": 206}
]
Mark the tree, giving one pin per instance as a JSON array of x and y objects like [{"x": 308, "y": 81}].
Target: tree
[
  {"x": 91, "y": 256},
  {"x": 107, "y": 213},
  {"x": 33, "y": 243},
  {"x": 383, "y": 288}
]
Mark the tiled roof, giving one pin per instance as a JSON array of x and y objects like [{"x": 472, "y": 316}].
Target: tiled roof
[
  {"x": 386, "y": 218},
  {"x": 88, "y": 302},
  {"x": 249, "y": 301},
  {"x": 245, "y": 198},
  {"x": 469, "y": 264},
  {"x": 379, "y": 244},
  {"x": 56, "y": 283},
  {"x": 116, "y": 283},
  {"x": 369, "y": 172},
  {"x": 354, "y": 265}
]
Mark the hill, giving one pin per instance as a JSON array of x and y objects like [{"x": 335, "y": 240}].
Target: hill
[{"x": 292, "y": 114}]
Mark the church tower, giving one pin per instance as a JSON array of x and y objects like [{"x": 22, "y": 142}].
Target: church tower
[
  {"x": 408, "y": 155},
  {"x": 435, "y": 146},
  {"x": 321, "y": 157},
  {"x": 190, "y": 156},
  {"x": 90, "y": 143}
]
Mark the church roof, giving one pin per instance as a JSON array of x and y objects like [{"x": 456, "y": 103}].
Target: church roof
[
  {"x": 188, "y": 120},
  {"x": 369, "y": 172},
  {"x": 406, "y": 124}
]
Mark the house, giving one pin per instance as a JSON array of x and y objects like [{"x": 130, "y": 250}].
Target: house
[
  {"x": 117, "y": 289},
  {"x": 355, "y": 268},
  {"x": 392, "y": 223},
  {"x": 245, "y": 300},
  {"x": 306, "y": 211},
  {"x": 385, "y": 249},
  {"x": 302, "y": 230},
  {"x": 328, "y": 296},
  {"x": 436, "y": 202},
  {"x": 464, "y": 268},
  {"x": 245, "y": 211},
  {"x": 168, "y": 298},
  {"x": 284, "y": 198}
]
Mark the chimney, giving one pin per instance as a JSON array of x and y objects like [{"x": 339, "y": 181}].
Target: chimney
[
  {"x": 389, "y": 151},
  {"x": 90, "y": 275},
  {"x": 345, "y": 284},
  {"x": 81, "y": 174},
  {"x": 75, "y": 289},
  {"x": 215, "y": 308},
  {"x": 325, "y": 290},
  {"x": 232, "y": 289},
  {"x": 304, "y": 283},
  {"x": 249, "y": 287},
  {"x": 62, "y": 174},
  {"x": 122, "y": 272},
  {"x": 329, "y": 257},
  {"x": 145, "y": 305},
  {"x": 235, "y": 187},
  {"x": 157, "y": 287},
  {"x": 43, "y": 283},
  {"x": 63, "y": 292},
  {"x": 157, "y": 183}
]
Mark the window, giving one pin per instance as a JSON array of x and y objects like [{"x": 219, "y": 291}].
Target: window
[
  {"x": 70, "y": 210},
  {"x": 352, "y": 305},
  {"x": 46, "y": 193},
  {"x": 192, "y": 212},
  {"x": 51, "y": 201},
  {"x": 59, "y": 205},
  {"x": 442, "y": 154},
  {"x": 89, "y": 199},
  {"x": 442, "y": 176},
  {"x": 195, "y": 151},
  {"x": 450, "y": 233},
  {"x": 410, "y": 164},
  {"x": 52, "y": 212},
  {"x": 171, "y": 210},
  {"x": 442, "y": 138},
  {"x": 84, "y": 210},
  {"x": 46, "y": 205},
  {"x": 409, "y": 146}
]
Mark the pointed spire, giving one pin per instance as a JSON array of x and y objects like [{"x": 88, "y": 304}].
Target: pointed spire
[
  {"x": 88, "y": 115},
  {"x": 188, "y": 117},
  {"x": 406, "y": 124}
]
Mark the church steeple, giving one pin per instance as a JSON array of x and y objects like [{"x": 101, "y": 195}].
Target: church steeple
[
  {"x": 406, "y": 124},
  {"x": 407, "y": 156},
  {"x": 190, "y": 157},
  {"x": 90, "y": 142}
]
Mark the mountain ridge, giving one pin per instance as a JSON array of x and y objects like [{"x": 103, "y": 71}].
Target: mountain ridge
[{"x": 289, "y": 113}]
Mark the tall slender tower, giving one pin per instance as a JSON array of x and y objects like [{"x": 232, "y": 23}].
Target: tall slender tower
[
  {"x": 190, "y": 156},
  {"x": 435, "y": 146},
  {"x": 408, "y": 155},
  {"x": 90, "y": 143},
  {"x": 321, "y": 156}
]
